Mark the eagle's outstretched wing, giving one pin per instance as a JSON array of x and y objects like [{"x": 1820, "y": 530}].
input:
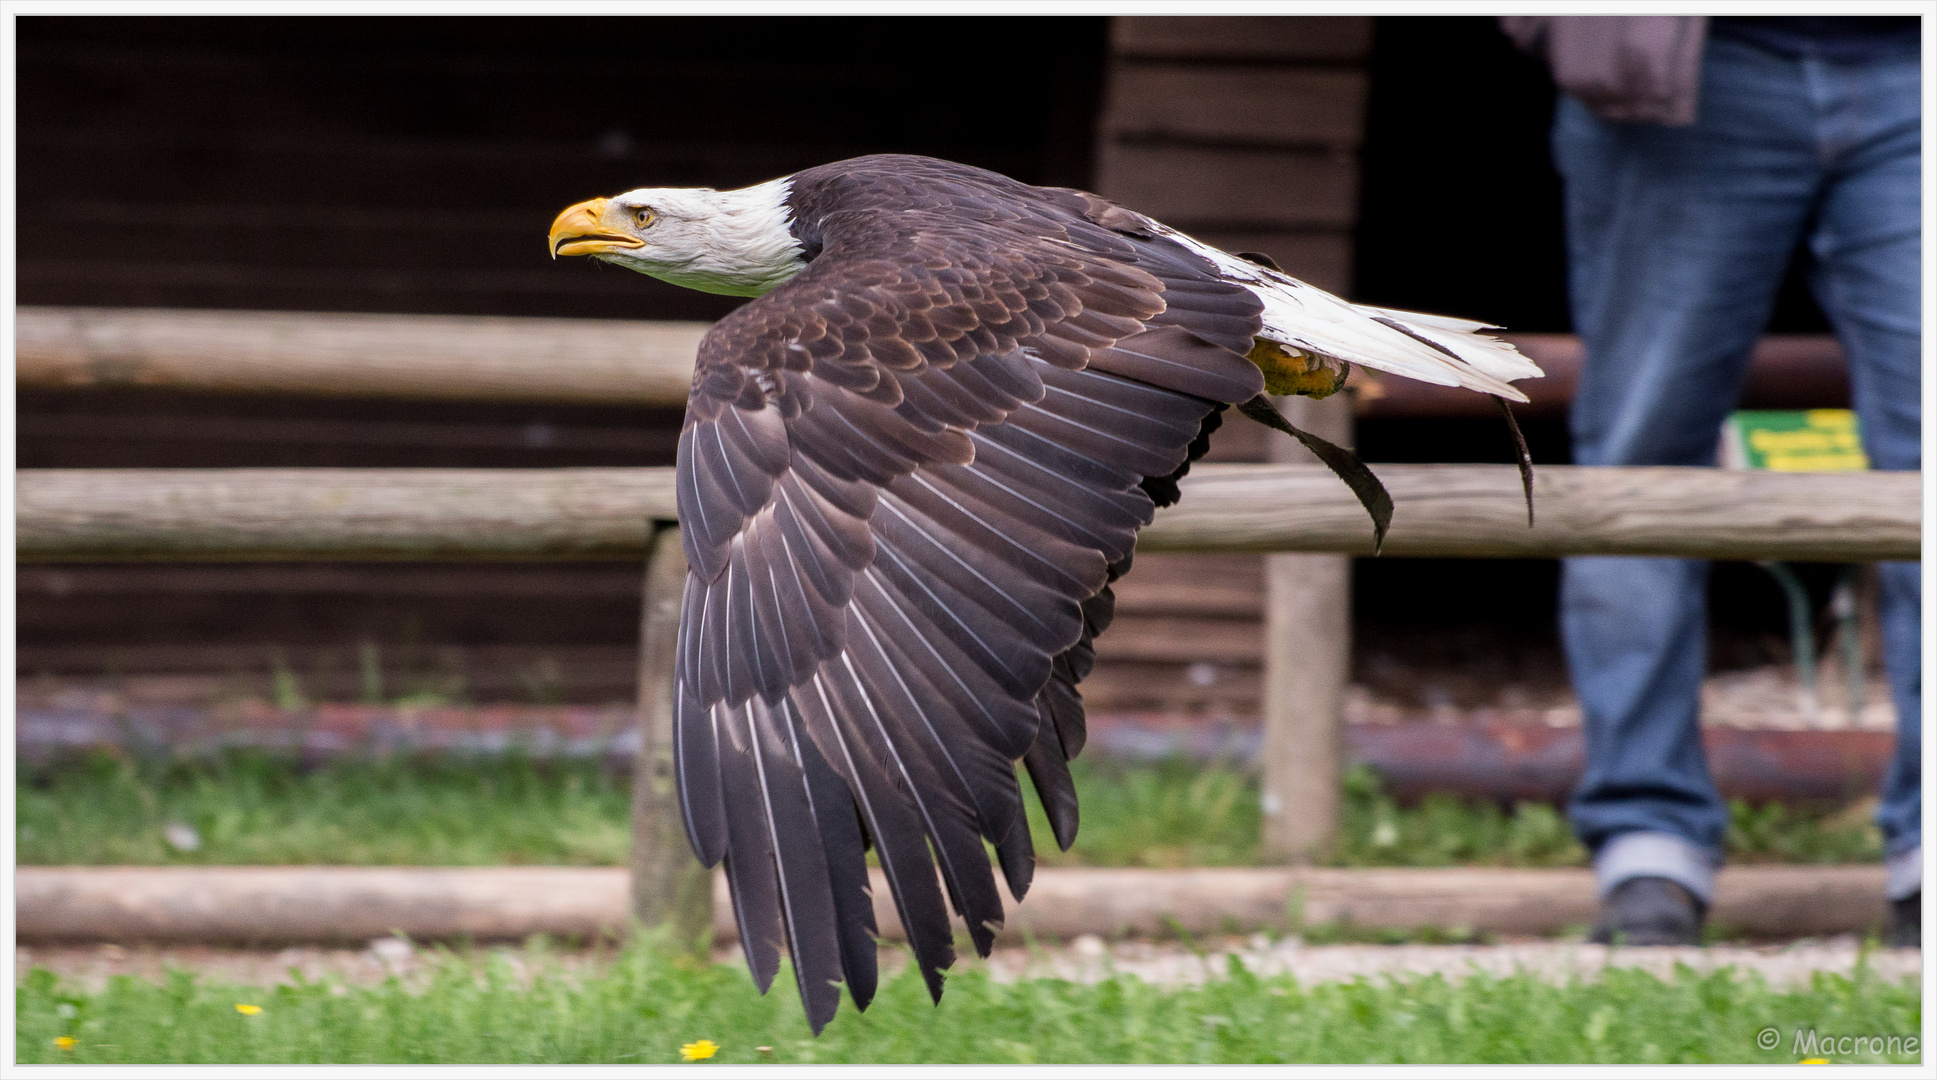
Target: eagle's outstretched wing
[{"x": 906, "y": 478}]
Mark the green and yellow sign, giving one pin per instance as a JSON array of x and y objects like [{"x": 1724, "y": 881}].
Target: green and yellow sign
[{"x": 1793, "y": 440}]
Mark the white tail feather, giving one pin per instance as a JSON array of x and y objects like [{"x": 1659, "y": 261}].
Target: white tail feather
[
  {"x": 1312, "y": 319},
  {"x": 1491, "y": 355}
]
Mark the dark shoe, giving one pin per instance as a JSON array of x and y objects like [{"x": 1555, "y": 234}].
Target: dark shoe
[
  {"x": 1907, "y": 922},
  {"x": 1649, "y": 911}
]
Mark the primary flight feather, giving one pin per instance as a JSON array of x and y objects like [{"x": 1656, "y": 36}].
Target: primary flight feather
[{"x": 909, "y": 471}]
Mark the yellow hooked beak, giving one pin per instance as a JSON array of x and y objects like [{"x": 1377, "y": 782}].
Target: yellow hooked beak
[{"x": 591, "y": 230}]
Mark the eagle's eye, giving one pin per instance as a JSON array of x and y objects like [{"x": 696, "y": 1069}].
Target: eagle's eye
[{"x": 643, "y": 216}]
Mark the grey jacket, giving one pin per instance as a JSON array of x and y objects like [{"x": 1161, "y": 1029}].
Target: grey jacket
[{"x": 1636, "y": 69}]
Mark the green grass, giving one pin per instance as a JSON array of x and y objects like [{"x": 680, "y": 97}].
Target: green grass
[
  {"x": 252, "y": 808},
  {"x": 643, "y": 1008},
  {"x": 1175, "y": 813}
]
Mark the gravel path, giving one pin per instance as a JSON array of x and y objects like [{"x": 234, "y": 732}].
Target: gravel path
[{"x": 1086, "y": 959}]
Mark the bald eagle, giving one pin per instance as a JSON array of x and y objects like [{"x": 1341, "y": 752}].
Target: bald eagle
[{"x": 909, "y": 471}]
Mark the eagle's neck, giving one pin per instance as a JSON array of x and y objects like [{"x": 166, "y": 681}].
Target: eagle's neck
[{"x": 748, "y": 246}]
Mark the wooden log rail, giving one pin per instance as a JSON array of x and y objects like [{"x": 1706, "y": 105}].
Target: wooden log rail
[
  {"x": 473, "y": 358},
  {"x": 1442, "y": 511},
  {"x": 287, "y": 905},
  {"x": 621, "y": 362}
]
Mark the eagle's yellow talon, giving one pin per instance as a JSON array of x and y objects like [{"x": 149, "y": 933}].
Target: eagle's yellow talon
[{"x": 1288, "y": 370}]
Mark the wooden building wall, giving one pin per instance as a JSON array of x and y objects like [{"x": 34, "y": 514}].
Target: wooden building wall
[
  {"x": 412, "y": 165},
  {"x": 1241, "y": 131}
]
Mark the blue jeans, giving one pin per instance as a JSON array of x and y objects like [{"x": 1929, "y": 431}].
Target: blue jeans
[{"x": 1677, "y": 240}]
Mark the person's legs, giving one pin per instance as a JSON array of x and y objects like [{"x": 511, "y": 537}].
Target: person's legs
[
  {"x": 1678, "y": 238},
  {"x": 1901, "y": 815},
  {"x": 1635, "y": 635},
  {"x": 1868, "y": 253}
]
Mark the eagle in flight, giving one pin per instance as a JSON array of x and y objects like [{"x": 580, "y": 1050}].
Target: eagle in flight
[{"x": 908, "y": 473}]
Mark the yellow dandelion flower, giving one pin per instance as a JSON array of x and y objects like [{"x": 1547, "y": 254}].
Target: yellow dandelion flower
[
  {"x": 699, "y": 1051},
  {"x": 65, "y": 1042},
  {"x": 1813, "y": 1061},
  {"x": 247, "y": 1010}
]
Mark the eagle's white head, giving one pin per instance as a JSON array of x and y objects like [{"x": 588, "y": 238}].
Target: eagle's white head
[{"x": 733, "y": 242}]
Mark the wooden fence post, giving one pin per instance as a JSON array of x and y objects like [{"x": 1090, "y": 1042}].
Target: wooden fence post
[
  {"x": 1307, "y": 660},
  {"x": 670, "y": 888}
]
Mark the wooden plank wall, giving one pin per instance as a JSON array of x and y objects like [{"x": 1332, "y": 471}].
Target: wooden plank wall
[
  {"x": 412, "y": 164},
  {"x": 1244, "y": 132},
  {"x": 517, "y": 632}
]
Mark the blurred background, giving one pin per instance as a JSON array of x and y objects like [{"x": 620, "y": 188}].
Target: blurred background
[{"x": 412, "y": 165}]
